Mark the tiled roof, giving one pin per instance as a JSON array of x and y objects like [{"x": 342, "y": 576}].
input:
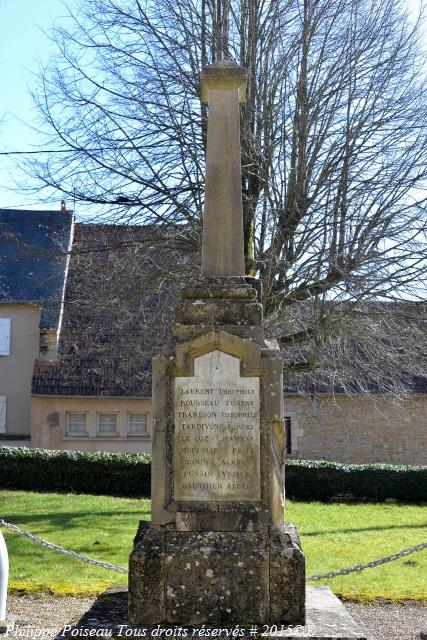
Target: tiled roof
[
  {"x": 382, "y": 349},
  {"x": 122, "y": 285},
  {"x": 33, "y": 246}
]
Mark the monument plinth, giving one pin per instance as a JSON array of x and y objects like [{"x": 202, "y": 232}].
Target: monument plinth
[{"x": 217, "y": 550}]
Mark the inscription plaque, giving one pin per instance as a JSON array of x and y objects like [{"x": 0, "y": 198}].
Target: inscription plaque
[{"x": 217, "y": 432}]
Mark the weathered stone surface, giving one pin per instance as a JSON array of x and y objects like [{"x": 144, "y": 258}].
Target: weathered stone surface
[
  {"x": 147, "y": 575},
  {"x": 187, "y": 332},
  {"x": 217, "y": 432},
  {"x": 287, "y": 576},
  {"x": 385, "y": 431},
  {"x": 228, "y": 304},
  {"x": 256, "y": 363},
  {"x": 216, "y": 577},
  {"x": 245, "y": 519},
  {"x": 326, "y": 619},
  {"x": 219, "y": 312},
  {"x": 222, "y": 247},
  {"x": 160, "y": 514},
  {"x": 209, "y": 288}
]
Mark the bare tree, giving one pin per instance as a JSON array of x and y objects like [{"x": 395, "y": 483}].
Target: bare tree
[{"x": 333, "y": 141}]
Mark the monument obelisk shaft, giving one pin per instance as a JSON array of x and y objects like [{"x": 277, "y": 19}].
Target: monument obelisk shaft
[{"x": 223, "y": 87}]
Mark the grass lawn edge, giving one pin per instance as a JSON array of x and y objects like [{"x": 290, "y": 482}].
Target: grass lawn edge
[{"x": 65, "y": 591}]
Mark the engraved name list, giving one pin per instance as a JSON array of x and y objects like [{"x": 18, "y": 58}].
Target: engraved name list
[{"x": 217, "y": 432}]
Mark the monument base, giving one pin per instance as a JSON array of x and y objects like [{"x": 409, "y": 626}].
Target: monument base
[
  {"x": 327, "y": 618},
  {"x": 199, "y": 577}
]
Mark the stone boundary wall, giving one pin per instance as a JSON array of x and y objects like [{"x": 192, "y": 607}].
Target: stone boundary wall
[{"x": 359, "y": 429}]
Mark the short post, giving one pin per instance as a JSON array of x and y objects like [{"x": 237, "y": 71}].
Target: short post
[{"x": 4, "y": 576}]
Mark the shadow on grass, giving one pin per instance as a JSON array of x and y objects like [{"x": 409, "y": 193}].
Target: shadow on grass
[
  {"x": 29, "y": 551},
  {"x": 361, "y": 529},
  {"x": 71, "y": 520},
  {"x": 32, "y": 554}
]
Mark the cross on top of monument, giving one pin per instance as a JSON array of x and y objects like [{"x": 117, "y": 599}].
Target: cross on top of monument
[{"x": 223, "y": 87}]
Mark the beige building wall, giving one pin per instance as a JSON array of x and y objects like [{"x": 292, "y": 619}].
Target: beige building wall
[
  {"x": 359, "y": 429},
  {"x": 16, "y": 369},
  {"x": 345, "y": 429},
  {"x": 50, "y": 420}
]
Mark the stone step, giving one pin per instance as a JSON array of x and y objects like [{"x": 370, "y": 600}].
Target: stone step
[{"x": 326, "y": 619}]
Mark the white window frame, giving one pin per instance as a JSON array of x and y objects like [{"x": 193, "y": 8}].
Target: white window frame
[
  {"x": 77, "y": 434},
  {"x": 137, "y": 433},
  {"x": 5, "y": 336},
  {"x": 3, "y": 408},
  {"x": 108, "y": 434}
]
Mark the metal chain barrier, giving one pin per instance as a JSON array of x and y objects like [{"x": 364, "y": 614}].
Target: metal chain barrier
[
  {"x": 115, "y": 567},
  {"x": 58, "y": 549},
  {"x": 369, "y": 565}
]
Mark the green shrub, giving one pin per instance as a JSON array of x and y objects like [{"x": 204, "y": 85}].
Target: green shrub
[
  {"x": 321, "y": 480},
  {"x": 117, "y": 474},
  {"x": 129, "y": 474}
]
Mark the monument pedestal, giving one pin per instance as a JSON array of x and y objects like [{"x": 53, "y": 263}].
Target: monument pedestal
[
  {"x": 211, "y": 577},
  {"x": 217, "y": 551}
]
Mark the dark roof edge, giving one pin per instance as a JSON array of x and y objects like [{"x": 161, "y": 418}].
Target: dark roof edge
[
  {"x": 93, "y": 397},
  {"x": 13, "y": 210}
]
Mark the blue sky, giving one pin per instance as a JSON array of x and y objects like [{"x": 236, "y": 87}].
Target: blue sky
[{"x": 22, "y": 43}]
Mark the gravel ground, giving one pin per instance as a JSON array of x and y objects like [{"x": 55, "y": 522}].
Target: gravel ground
[
  {"x": 384, "y": 621},
  {"x": 43, "y": 612},
  {"x": 391, "y": 621}
]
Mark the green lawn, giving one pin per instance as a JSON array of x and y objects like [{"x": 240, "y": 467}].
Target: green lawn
[
  {"x": 339, "y": 535},
  {"x": 333, "y": 536},
  {"x": 98, "y": 526}
]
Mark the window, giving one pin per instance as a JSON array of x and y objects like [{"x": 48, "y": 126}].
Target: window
[
  {"x": 77, "y": 423},
  {"x": 137, "y": 423},
  {"x": 4, "y": 336},
  {"x": 107, "y": 423},
  {"x": 288, "y": 435},
  {"x": 2, "y": 414}
]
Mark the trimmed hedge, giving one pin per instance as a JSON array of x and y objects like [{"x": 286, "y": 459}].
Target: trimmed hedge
[
  {"x": 321, "y": 480},
  {"x": 116, "y": 474},
  {"x": 129, "y": 474}
]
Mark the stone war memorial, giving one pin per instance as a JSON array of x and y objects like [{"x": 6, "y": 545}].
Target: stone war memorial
[{"x": 217, "y": 550}]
